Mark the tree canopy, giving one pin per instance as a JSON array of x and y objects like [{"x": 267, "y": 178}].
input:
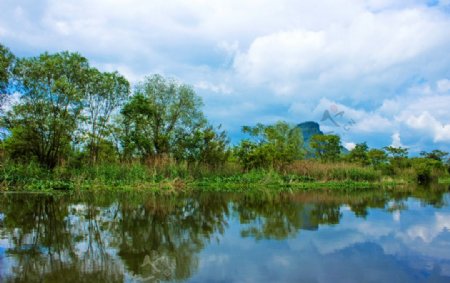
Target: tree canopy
[
  {"x": 44, "y": 122},
  {"x": 160, "y": 117},
  {"x": 359, "y": 154},
  {"x": 326, "y": 147},
  {"x": 6, "y": 64},
  {"x": 270, "y": 145},
  {"x": 104, "y": 94}
]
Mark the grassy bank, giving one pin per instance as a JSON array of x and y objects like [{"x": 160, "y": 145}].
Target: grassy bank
[
  {"x": 175, "y": 177},
  {"x": 444, "y": 180}
]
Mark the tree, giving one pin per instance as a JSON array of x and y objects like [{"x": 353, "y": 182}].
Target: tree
[
  {"x": 435, "y": 154},
  {"x": 43, "y": 123},
  {"x": 207, "y": 146},
  {"x": 270, "y": 146},
  {"x": 377, "y": 157},
  {"x": 160, "y": 117},
  {"x": 396, "y": 152},
  {"x": 6, "y": 63},
  {"x": 398, "y": 156},
  {"x": 326, "y": 147},
  {"x": 359, "y": 154},
  {"x": 105, "y": 93},
  {"x": 424, "y": 168}
]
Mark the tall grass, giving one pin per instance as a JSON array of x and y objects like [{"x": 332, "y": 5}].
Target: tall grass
[
  {"x": 165, "y": 174},
  {"x": 157, "y": 173},
  {"x": 318, "y": 171}
]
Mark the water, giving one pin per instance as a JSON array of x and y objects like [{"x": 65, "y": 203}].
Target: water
[{"x": 400, "y": 236}]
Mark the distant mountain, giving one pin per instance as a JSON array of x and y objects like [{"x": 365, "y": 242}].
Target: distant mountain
[{"x": 309, "y": 129}]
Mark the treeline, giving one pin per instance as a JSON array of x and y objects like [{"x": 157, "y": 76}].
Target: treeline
[{"x": 70, "y": 114}]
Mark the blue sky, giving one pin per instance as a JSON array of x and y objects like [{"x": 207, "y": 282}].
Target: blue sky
[{"x": 380, "y": 67}]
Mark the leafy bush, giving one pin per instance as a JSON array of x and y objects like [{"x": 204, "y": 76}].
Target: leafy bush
[
  {"x": 424, "y": 168},
  {"x": 271, "y": 146}
]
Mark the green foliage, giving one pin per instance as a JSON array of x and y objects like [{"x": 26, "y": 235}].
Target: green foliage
[
  {"x": 396, "y": 152},
  {"x": 16, "y": 175},
  {"x": 32, "y": 176},
  {"x": 424, "y": 168},
  {"x": 435, "y": 154},
  {"x": 253, "y": 155},
  {"x": 66, "y": 108},
  {"x": 398, "y": 157},
  {"x": 160, "y": 118},
  {"x": 386, "y": 169},
  {"x": 106, "y": 152},
  {"x": 206, "y": 146},
  {"x": 67, "y": 117},
  {"x": 326, "y": 147},
  {"x": 105, "y": 93},
  {"x": 320, "y": 171},
  {"x": 261, "y": 180},
  {"x": 355, "y": 174},
  {"x": 6, "y": 63},
  {"x": 359, "y": 154},
  {"x": 270, "y": 146},
  {"x": 44, "y": 122},
  {"x": 377, "y": 157}
]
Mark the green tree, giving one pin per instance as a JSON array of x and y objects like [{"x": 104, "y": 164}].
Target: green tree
[
  {"x": 424, "y": 168},
  {"x": 43, "y": 124},
  {"x": 435, "y": 154},
  {"x": 359, "y": 154},
  {"x": 160, "y": 117},
  {"x": 207, "y": 146},
  {"x": 105, "y": 93},
  {"x": 270, "y": 146},
  {"x": 377, "y": 157},
  {"x": 326, "y": 147},
  {"x": 396, "y": 152},
  {"x": 7, "y": 60},
  {"x": 398, "y": 156}
]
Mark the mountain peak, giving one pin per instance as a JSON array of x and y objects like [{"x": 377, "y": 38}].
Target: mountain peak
[{"x": 309, "y": 129}]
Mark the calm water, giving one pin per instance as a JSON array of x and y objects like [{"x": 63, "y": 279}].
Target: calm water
[{"x": 308, "y": 237}]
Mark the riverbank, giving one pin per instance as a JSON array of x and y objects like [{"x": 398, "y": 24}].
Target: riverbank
[{"x": 173, "y": 178}]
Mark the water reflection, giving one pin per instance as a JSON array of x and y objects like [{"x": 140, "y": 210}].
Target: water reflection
[{"x": 318, "y": 237}]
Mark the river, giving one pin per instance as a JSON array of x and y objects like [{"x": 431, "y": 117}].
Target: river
[{"x": 397, "y": 235}]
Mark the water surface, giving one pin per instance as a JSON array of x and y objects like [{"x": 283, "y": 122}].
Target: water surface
[{"x": 382, "y": 236}]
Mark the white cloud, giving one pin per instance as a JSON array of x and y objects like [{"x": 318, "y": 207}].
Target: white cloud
[
  {"x": 217, "y": 88},
  {"x": 396, "y": 141},
  {"x": 429, "y": 231},
  {"x": 373, "y": 123},
  {"x": 368, "y": 46},
  {"x": 260, "y": 60},
  {"x": 280, "y": 55},
  {"x": 443, "y": 85},
  {"x": 349, "y": 145},
  {"x": 209, "y": 260},
  {"x": 419, "y": 117},
  {"x": 425, "y": 122}
]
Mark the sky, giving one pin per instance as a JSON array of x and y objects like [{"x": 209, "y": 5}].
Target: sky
[{"x": 375, "y": 71}]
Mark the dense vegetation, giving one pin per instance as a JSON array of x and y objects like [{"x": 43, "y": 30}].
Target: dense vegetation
[{"x": 76, "y": 127}]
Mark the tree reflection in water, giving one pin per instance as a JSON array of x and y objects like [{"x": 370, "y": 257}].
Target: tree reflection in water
[
  {"x": 45, "y": 242},
  {"x": 116, "y": 238}
]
